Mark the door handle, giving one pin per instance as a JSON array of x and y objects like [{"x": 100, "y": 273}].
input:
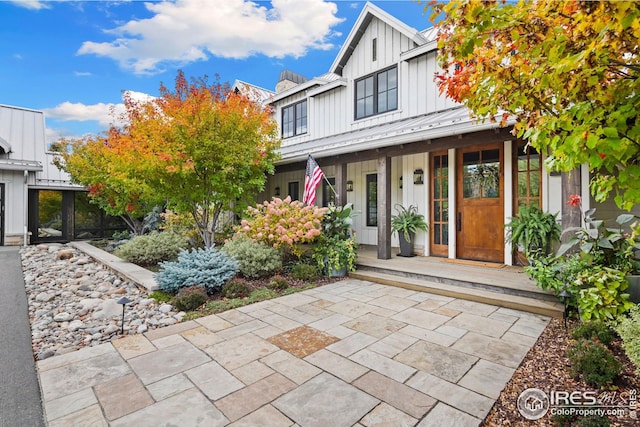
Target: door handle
[{"x": 459, "y": 221}]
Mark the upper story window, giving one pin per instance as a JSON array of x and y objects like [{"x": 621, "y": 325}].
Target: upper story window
[
  {"x": 377, "y": 93},
  {"x": 294, "y": 119}
]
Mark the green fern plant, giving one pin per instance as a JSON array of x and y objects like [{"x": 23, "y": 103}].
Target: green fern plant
[
  {"x": 408, "y": 221},
  {"x": 533, "y": 231}
]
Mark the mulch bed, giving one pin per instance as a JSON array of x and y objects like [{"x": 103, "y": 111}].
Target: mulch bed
[{"x": 546, "y": 367}]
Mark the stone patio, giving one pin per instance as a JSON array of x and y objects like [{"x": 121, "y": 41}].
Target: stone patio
[{"x": 349, "y": 353}]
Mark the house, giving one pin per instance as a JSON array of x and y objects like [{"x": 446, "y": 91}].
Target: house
[
  {"x": 384, "y": 136},
  {"x": 38, "y": 202}
]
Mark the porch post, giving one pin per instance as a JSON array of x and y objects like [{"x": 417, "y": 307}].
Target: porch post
[
  {"x": 571, "y": 184},
  {"x": 341, "y": 183},
  {"x": 384, "y": 208}
]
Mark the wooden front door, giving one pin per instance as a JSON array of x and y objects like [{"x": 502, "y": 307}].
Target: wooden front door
[{"x": 480, "y": 203}]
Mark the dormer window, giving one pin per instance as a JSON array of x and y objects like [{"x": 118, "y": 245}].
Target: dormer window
[
  {"x": 377, "y": 93},
  {"x": 294, "y": 119}
]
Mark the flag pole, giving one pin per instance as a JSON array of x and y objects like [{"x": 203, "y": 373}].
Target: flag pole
[{"x": 330, "y": 186}]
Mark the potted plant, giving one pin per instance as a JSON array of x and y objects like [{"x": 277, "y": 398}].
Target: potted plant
[
  {"x": 336, "y": 250},
  {"x": 336, "y": 255},
  {"x": 533, "y": 232},
  {"x": 407, "y": 222}
]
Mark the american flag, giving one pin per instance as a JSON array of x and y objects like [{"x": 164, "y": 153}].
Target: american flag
[{"x": 312, "y": 179}]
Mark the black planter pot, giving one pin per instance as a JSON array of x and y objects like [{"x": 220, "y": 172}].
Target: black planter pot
[
  {"x": 634, "y": 288},
  {"x": 406, "y": 247}
]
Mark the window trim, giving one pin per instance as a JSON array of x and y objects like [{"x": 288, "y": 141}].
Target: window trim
[
  {"x": 375, "y": 93},
  {"x": 294, "y": 119}
]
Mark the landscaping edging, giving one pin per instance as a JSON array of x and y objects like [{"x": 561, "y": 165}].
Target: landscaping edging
[{"x": 132, "y": 272}]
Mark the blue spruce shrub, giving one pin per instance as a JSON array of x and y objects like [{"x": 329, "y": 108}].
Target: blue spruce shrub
[{"x": 201, "y": 267}]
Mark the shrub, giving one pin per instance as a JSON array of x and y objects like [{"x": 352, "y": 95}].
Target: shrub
[
  {"x": 305, "y": 272},
  {"x": 236, "y": 288},
  {"x": 182, "y": 224},
  {"x": 161, "y": 296},
  {"x": 628, "y": 327},
  {"x": 201, "y": 267},
  {"x": 593, "y": 421},
  {"x": 594, "y": 363},
  {"x": 190, "y": 298},
  {"x": 283, "y": 224},
  {"x": 594, "y": 329},
  {"x": 152, "y": 248},
  {"x": 254, "y": 259},
  {"x": 601, "y": 297},
  {"x": 278, "y": 283}
]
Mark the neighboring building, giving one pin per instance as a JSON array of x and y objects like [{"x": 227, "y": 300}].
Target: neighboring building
[
  {"x": 383, "y": 135},
  {"x": 38, "y": 202}
]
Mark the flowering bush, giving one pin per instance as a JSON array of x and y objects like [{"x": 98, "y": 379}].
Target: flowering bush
[{"x": 283, "y": 224}]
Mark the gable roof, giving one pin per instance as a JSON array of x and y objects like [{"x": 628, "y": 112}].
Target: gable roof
[
  {"x": 369, "y": 12},
  {"x": 256, "y": 93}
]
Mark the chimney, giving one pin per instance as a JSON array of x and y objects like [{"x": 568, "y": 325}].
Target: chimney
[{"x": 289, "y": 79}]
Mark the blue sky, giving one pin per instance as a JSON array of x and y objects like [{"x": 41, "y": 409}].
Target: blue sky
[{"x": 73, "y": 59}]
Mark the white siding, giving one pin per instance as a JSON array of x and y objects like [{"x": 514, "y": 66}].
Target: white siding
[{"x": 15, "y": 204}]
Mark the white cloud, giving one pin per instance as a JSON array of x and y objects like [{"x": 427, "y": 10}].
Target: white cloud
[
  {"x": 104, "y": 114},
  {"x": 185, "y": 31},
  {"x": 31, "y": 4},
  {"x": 79, "y": 112},
  {"x": 82, "y": 73}
]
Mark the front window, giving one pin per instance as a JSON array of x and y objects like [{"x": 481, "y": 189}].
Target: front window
[
  {"x": 372, "y": 200},
  {"x": 294, "y": 119},
  {"x": 377, "y": 93}
]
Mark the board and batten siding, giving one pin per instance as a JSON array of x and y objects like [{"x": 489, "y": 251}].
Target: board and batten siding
[
  {"x": 14, "y": 203},
  {"x": 419, "y": 90}
]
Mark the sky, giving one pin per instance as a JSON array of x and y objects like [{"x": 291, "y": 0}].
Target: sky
[{"x": 74, "y": 59}]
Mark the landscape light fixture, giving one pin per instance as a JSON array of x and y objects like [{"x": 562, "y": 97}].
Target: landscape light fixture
[
  {"x": 564, "y": 296},
  {"x": 124, "y": 301}
]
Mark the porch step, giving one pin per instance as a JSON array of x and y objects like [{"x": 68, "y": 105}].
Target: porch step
[{"x": 536, "y": 305}]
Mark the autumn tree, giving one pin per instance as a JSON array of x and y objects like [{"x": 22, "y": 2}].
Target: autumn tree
[
  {"x": 104, "y": 164},
  {"x": 567, "y": 71},
  {"x": 209, "y": 149},
  {"x": 200, "y": 149}
]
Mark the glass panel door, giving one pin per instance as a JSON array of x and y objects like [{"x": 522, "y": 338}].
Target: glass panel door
[{"x": 439, "y": 204}]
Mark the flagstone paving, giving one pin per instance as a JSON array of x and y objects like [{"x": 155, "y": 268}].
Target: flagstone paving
[{"x": 344, "y": 354}]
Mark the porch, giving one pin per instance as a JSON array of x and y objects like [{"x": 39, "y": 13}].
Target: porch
[{"x": 490, "y": 283}]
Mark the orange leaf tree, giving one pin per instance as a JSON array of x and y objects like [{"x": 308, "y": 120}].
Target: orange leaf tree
[
  {"x": 199, "y": 149},
  {"x": 567, "y": 71},
  {"x": 212, "y": 149},
  {"x": 104, "y": 165}
]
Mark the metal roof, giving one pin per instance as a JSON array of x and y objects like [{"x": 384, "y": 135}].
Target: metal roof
[
  {"x": 20, "y": 165},
  {"x": 455, "y": 121}
]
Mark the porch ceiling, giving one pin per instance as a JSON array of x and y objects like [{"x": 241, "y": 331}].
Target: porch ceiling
[{"x": 455, "y": 121}]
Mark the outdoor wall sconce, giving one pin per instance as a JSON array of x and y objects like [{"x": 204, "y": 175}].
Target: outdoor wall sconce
[
  {"x": 123, "y": 301},
  {"x": 418, "y": 177},
  {"x": 400, "y": 181},
  {"x": 349, "y": 185},
  {"x": 277, "y": 191}
]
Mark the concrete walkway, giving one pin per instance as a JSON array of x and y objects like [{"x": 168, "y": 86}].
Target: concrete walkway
[
  {"x": 349, "y": 353},
  {"x": 20, "y": 402}
]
